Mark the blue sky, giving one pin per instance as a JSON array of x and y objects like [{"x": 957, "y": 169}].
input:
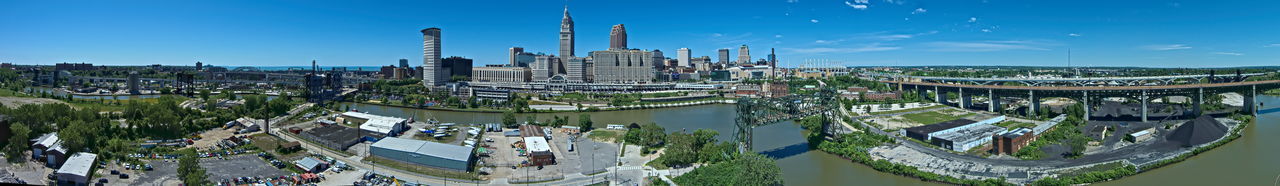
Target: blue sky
[{"x": 1185, "y": 34}]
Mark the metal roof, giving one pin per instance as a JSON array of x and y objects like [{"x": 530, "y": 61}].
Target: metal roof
[
  {"x": 376, "y": 123},
  {"x": 308, "y": 163},
  {"x": 79, "y": 164},
  {"x": 536, "y": 144},
  {"x": 970, "y": 134},
  {"x": 446, "y": 151},
  {"x": 48, "y": 140}
]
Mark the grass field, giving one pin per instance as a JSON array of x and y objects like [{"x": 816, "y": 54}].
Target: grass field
[
  {"x": 908, "y": 110},
  {"x": 928, "y": 118},
  {"x": 605, "y": 135},
  {"x": 11, "y": 93},
  {"x": 1010, "y": 124}
]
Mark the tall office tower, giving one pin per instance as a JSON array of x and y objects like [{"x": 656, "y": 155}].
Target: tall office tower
[
  {"x": 431, "y": 75},
  {"x": 576, "y": 69},
  {"x": 199, "y": 66},
  {"x": 623, "y": 66},
  {"x": 544, "y": 67},
  {"x": 773, "y": 63},
  {"x": 404, "y": 63},
  {"x": 456, "y": 66},
  {"x": 566, "y": 34},
  {"x": 724, "y": 55},
  {"x": 514, "y": 52},
  {"x": 744, "y": 55},
  {"x": 682, "y": 56},
  {"x": 618, "y": 37},
  {"x": 659, "y": 61}
]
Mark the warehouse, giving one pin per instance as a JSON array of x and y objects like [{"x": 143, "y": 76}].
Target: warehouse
[
  {"x": 539, "y": 151},
  {"x": 385, "y": 125},
  {"x": 1009, "y": 142},
  {"x": 335, "y": 136},
  {"x": 76, "y": 170},
  {"x": 425, "y": 153},
  {"x": 928, "y": 132},
  {"x": 1141, "y": 136},
  {"x": 966, "y": 138}
]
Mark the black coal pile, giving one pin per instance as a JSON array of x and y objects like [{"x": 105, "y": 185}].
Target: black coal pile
[{"x": 1201, "y": 130}]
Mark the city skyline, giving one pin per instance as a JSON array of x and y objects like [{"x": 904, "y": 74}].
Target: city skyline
[{"x": 856, "y": 33}]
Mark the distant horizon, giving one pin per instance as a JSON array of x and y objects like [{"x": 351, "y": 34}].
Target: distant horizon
[
  {"x": 858, "y": 66},
  {"x": 1163, "y": 33}
]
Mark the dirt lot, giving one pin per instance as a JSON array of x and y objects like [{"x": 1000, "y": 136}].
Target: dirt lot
[
  {"x": 211, "y": 137},
  {"x": 15, "y": 102}
]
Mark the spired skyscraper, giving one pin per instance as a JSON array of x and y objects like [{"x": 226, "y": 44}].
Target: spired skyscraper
[
  {"x": 618, "y": 37},
  {"x": 566, "y": 34},
  {"x": 431, "y": 64}
]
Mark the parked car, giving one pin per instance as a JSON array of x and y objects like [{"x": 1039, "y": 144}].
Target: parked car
[{"x": 124, "y": 176}]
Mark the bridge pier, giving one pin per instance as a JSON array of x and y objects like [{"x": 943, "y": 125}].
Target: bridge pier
[
  {"x": 1143, "y": 99},
  {"x": 965, "y": 100},
  {"x": 1196, "y": 109},
  {"x": 938, "y": 96},
  {"x": 1250, "y": 101},
  {"x": 994, "y": 103},
  {"x": 1086, "y": 106},
  {"x": 1033, "y": 103}
]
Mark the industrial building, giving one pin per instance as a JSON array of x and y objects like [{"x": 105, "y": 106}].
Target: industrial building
[
  {"x": 1009, "y": 142},
  {"x": 1141, "y": 136},
  {"x": 76, "y": 170},
  {"x": 383, "y": 125},
  {"x": 311, "y": 165},
  {"x": 336, "y": 136},
  {"x": 539, "y": 151},
  {"x": 425, "y": 153},
  {"x": 957, "y": 135}
]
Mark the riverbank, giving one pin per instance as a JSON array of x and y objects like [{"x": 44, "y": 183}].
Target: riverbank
[{"x": 574, "y": 109}]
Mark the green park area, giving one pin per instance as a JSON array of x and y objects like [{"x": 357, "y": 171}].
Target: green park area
[{"x": 934, "y": 117}]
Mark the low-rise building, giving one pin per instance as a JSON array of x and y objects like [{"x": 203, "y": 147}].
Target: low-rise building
[
  {"x": 41, "y": 144},
  {"x": 1141, "y": 136},
  {"x": 966, "y": 138},
  {"x": 383, "y": 125},
  {"x": 248, "y": 125},
  {"x": 336, "y": 136},
  {"x": 311, "y": 165},
  {"x": 76, "y": 171},
  {"x": 1010, "y": 142},
  {"x": 501, "y": 74},
  {"x": 539, "y": 151},
  {"x": 425, "y": 153}
]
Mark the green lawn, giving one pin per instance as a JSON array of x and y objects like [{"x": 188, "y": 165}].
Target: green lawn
[
  {"x": 422, "y": 169},
  {"x": 934, "y": 117},
  {"x": 605, "y": 135},
  {"x": 908, "y": 110},
  {"x": 1010, "y": 124},
  {"x": 11, "y": 93}
]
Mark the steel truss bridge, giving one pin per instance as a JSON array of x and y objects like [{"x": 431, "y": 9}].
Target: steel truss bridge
[
  {"x": 757, "y": 112},
  {"x": 1085, "y": 81}
]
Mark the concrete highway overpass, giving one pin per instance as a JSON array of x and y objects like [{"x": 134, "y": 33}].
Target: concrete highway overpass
[{"x": 1089, "y": 95}]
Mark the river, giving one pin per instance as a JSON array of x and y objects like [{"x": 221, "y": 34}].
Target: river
[{"x": 1250, "y": 160}]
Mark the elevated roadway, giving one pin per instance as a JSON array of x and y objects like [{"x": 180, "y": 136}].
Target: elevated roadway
[
  {"x": 1087, "y": 94},
  {"x": 1082, "y": 81}
]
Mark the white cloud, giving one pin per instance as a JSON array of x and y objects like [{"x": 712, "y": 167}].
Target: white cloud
[
  {"x": 777, "y": 36},
  {"x": 822, "y": 41},
  {"x": 813, "y": 20},
  {"x": 1229, "y": 53},
  {"x": 899, "y": 2},
  {"x": 984, "y": 46},
  {"x": 717, "y": 35},
  {"x": 1073, "y": 35},
  {"x": 1166, "y": 47},
  {"x": 793, "y": 1},
  {"x": 858, "y": 4},
  {"x": 875, "y": 47},
  {"x": 973, "y": 19},
  {"x": 986, "y": 30},
  {"x": 1272, "y": 45},
  {"x": 919, "y": 11}
]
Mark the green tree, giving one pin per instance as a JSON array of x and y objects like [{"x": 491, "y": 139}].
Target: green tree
[
  {"x": 204, "y": 94},
  {"x": 747, "y": 169},
  {"x": 189, "y": 169},
  {"x": 17, "y": 142},
  {"x": 509, "y": 120},
  {"x": 584, "y": 122}
]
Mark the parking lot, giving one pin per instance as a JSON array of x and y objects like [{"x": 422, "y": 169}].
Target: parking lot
[{"x": 239, "y": 166}]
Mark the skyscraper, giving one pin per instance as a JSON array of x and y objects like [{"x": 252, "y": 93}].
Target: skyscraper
[
  {"x": 431, "y": 75},
  {"x": 513, "y": 53},
  {"x": 682, "y": 56},
  {"x": 404, "y": 63},
  {"x": 744, "y": 55},
  {"x": 566, "y": 34},
  {"x": 618, "y": 37},
  {"x": 724, "y": 55}
]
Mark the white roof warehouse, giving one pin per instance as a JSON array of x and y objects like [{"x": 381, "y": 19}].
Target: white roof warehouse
[{"x": 386, "y": 125}]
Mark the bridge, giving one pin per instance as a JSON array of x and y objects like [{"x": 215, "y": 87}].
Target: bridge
[
  {"x": 756, "y": 112},
  {"x": 1088, "y": 94},
  {"x": 1078, "y": 81},
  {"x": 252, "y": 77}
]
